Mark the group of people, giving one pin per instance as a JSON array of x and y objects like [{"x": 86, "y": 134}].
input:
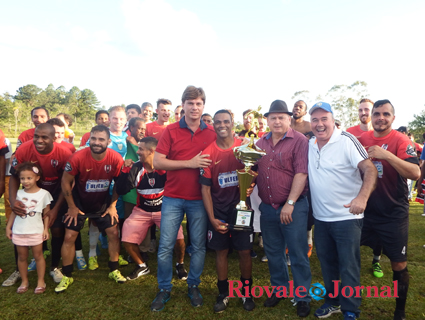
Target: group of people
[{"x": 130, "y": 174}]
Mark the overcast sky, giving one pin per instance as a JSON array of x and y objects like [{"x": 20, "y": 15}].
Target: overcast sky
[{"x": 243, "y": 53}]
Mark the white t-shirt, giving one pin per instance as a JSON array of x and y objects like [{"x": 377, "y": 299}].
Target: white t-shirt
[
  {"x": 32, "y": 223},
  {"x": 334, "y": 178}
]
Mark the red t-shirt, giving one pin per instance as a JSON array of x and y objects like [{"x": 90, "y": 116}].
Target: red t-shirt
[
  {"x": 25, "y": 136},
  {"x": 68, "y": 146},
  {"x": 93, "y": 178},
  {"x": 52, "y": 165},
  {"x": 178, "y": 142},
  {"x": 356, "y": 131},
  {"x": 3, "y": 146},
  {"x": 84, "y": 139},
  {"x": 221, "y": 175},
  {"x": 390, "y": 198},
  {"x": 155, "y": 130}
]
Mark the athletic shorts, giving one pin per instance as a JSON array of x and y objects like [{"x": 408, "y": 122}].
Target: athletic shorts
[
  {"x": 102, "y": 223},
  {"x": 27, "y": 240},
  {"x": 239, "y": 240},
  {"x": 391, "y": 235},
  {"x": 62, "y": 210},
  {"x": 138, "y": 223}
]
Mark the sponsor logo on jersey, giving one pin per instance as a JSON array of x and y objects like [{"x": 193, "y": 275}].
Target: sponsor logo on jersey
[
  {"x": 217, "y": 162},
  {"x": 155, "y": 132},
  {"x": 54, "y": 163},
  {"x": 202, "y": 171},
  {"x": 87, "y": 170},
  {"x": 228, "y": 179},
  {"x": 384, "y": 146},
  {"x": 68, "y": 167},
  {"x": 411, "y": 151},
  {"x": 108, "y": 168},
  {"x": 97, "y": 185}
]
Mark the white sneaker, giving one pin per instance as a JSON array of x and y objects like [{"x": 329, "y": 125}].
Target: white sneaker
[
  {"x": 423, "y": 214},
  {"x": 57, "y": 275},
  {"x": 13, "y": 278},
  {"x": 264, "y": 259}
]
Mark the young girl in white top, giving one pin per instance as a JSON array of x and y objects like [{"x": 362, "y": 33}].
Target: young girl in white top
[{"x": 28, "y": 230}]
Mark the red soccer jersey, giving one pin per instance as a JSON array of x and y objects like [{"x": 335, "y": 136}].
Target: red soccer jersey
[
  {"x": 68, "y": 146},
  {"x": 52, "y": 165},
  {"x": 390, "y": 198},
  {"x": 25, "y": 136},
  {"x": 221, "y": 175},
  {"x": 93, "y": 178},
  {"x": 84, "y": 139},
  {"x": 356, "y": 131},
  {"x": 178, "y": 142},
  {"x": 3, "y": 146},
  {"x": 155, "y": 130}
]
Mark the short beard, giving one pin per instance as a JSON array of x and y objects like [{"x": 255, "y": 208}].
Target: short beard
[
  {"x": 297, "y": 117},
  {"x": 98, "y": 152}
]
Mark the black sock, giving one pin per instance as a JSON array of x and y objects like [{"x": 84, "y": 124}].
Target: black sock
[
  {"x": 67, "y": 270},
  {"x": 45, "y": 247},
  {"x": 113, "y": 265},
  {"x": 403, "y": 286},
  {"x": 56, "y": 250},
  {"x": 223, "y": 287},
  {"x": 246, "y": 283},
  {"x": 78, "y": 242}
]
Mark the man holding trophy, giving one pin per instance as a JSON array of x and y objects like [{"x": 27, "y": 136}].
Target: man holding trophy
[{"x": 220, "y": 194}]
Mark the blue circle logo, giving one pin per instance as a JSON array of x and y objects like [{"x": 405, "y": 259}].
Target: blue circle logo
[{"x": 317, "y": 291}]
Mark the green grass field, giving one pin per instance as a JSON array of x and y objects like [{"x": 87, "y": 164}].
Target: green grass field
[{"x": 94, "y": 296}]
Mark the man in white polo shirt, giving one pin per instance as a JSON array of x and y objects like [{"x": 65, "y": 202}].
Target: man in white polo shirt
[{"x": 339, "y": 198}]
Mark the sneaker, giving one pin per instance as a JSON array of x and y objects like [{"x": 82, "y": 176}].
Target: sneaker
[
  {"x": 221, "y": 303},
  {"x": 64, "y": 284},
  {"x": 423, "y": 214},
  {"x": 13, "y": 278},
  {"x": 122, "y": 261},
  {"x": 310, "y": 250},
  {"x": 248, "y": 304},
  {"x": 264, "y": 259},
  {"x": 195, "y": 296},
  {"x": 93, "y": 265},
  {"x": 326, "y": 310},
  {"x": 32, "y": 266},
  {"x": 272, "y": 301},
  {"x": 181, "y": 271},
  {"x": 377, "y": 270},
  {"x": 160, "y": 300},
  {"x": 303, "y": 309},
  {"x": 399, "y": 315},
  {"x": 117, "y": 276},
  {"x": 349, "y": 315},
  {"x": 81, "y": 263},
  {"x": 260, "y": 242},
  {"x": 103, "y": 241},
  {"x": 253, "y": 254},
  {"x": 152, "y": 247},
  {"x": 138, "y": 272},
  {"x": 288, "y": 260},
  {"x": 56, "y": 275}
]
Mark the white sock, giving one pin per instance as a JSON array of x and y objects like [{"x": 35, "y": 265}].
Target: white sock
[
  {"x": 142, "y": 265},
  {"x": 310, "y": 236},
  {"x": 79, "y": 254},
  {"x": 93, "y": 238},
  {"x": 377, "y": 258}
]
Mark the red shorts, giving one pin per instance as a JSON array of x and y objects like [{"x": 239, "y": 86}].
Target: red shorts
[{"x": 27, "y": 240}]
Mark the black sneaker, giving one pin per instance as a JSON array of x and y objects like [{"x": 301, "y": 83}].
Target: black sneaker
[
  {"x": 221, "y": 303},
  {"x": 195, "y": 296},
  {"x": 399, "y": 315},
  {"x": 248, "y": 304},
  {"x": 138, "y": 272},
  {"x": 272, "y": 301},
  {"x": 181, "y": 272},
  {"x": 303, "y": 309},
  {"x": 160, "y": 300}
]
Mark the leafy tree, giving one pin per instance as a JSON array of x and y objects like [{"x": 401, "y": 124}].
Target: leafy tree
[{"x": 417, "y": 126}]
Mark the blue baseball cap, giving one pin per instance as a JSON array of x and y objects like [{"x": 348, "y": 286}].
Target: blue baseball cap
[{"x": 321, "y": 105}]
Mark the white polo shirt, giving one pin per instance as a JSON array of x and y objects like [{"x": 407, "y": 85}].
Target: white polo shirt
[{"x": 334, "y": 177}]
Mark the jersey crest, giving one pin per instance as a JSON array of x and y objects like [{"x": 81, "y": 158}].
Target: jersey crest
[
  {"x": 108, "y": 168},
  {"x": 54, "y": 163}
]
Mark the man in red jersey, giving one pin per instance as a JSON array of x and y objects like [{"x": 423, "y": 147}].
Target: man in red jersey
[
  {"x": 38, "y": 115},
  {"x": 52, "y": 159},
  {"x": 220, "y": 193},
  {"x": 92, "y": 170},
  {"x": 60, "y": 133},
  {"x": 180, "y": 153},
  {"x": 386, "y": 218},
  {"x": 3, "y": 150},
  {"x": 365, "y": 125},
  {"x": 102, "y": 117},
  {"x": 156, "y": 128}
]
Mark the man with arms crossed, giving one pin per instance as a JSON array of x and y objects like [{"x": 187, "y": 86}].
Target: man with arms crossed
[
  {"x": 220, "y": 193},
  {"x": 386, "y": 219},
  {"x": 180, "y": 153},
  {"x": 335, "y": 159}
]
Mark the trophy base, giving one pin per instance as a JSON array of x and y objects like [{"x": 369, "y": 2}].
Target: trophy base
[{"x": 243, "y": 220}]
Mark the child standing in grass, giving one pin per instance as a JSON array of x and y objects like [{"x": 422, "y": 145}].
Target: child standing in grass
[{"x": 28, "y": 230}]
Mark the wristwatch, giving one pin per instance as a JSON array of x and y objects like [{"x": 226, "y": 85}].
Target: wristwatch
[{"x": 291, "y": 202}]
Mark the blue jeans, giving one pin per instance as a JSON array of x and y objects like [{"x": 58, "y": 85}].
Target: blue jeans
[
  {"x": 338, "y": 250},
  {"x": 172, "y": 213},
  {"x": 277, "y": 236}
]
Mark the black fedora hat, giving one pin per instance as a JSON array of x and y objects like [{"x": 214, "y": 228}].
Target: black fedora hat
[{"x": 278, "y": 106}]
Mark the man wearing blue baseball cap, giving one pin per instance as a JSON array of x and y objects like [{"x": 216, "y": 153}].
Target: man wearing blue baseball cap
[{"x": 339, "y": 197}]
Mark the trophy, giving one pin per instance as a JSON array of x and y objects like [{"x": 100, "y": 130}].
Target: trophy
[{"x": 248, "y": 154}]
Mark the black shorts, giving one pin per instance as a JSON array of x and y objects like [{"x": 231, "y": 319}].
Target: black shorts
[
  {"x": 62, "y": 210},
  {"x": 240, "y": 240},
  {"x": 392, "y": 235},
  {"x": 102, "y": 223}
]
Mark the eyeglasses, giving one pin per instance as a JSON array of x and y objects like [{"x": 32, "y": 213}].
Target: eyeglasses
[{"x": 31, "y": 214}]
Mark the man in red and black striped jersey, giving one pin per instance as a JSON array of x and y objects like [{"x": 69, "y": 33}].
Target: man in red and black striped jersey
[
  {"x": 92, "y": 169},
  {"x": 39, "y": 115},
  {"x": 220, "y": 193}
]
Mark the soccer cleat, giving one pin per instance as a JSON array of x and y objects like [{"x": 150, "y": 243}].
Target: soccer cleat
[
  {"x": 248, "y": 304},
  {"x": 377, "y": 270},
  {"x": 32, "y": 266},
  {"x": 138, "y": 272},
  {"x": 349, "y": 315},
  {"x": 81, "y": 263},
  {"x": 64, "y": 284},
  {"x": 13, "y": 278},
  {"x": 326, "y": 310},
  {"x": 160, "y": 300},
  {"x": 181, "y": 271},
  {"x": 310, "y": 250},
  {"x": 121, "y": 261},
  {"x": 117, "y": 276},
  {"x": 221, "y": 303},
  {"x": 93, "y": 265},
  {"x": 57, "y": 275},
  {"x": 264, "y": 259},
  {"x": 195, "y": 296}
]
